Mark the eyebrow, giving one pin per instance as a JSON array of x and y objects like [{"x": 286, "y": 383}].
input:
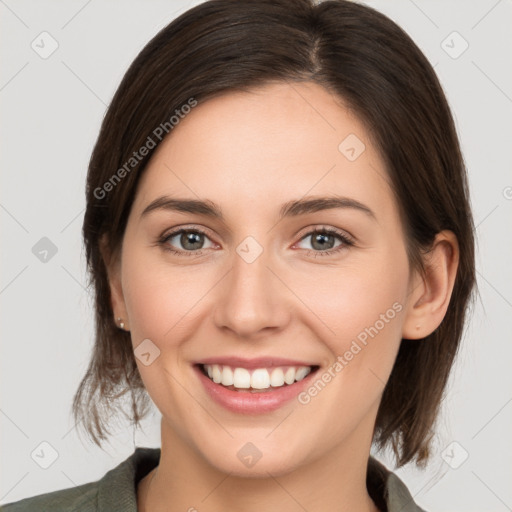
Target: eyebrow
[{"x": 292, "y": 208}]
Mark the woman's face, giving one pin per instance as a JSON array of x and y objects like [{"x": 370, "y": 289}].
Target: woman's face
[{"x": 259, "y": 284}]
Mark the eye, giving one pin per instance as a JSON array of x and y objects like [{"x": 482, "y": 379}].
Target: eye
[
  {"x": 191, "y": 240},
  {"x": 323, "y": 241}
]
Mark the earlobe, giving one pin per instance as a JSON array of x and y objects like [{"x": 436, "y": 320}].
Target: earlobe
[
  {"x": 430, "y": 294},
  {"x": 113, "y": 267}
]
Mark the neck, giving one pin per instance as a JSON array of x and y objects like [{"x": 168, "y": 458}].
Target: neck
[{"x": 185, "y": 481}]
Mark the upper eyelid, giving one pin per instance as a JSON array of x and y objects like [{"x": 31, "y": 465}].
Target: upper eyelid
[
  {"x": 321, "y": 228},
  {"x": 176, "y": 231}
]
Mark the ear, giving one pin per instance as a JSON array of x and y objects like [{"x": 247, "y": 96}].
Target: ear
[
  {"x": 430, "y": 295},
  {"x": 113, "y": 266}
]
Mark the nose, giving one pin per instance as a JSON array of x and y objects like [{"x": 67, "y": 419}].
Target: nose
[{"x": 253, "y": 300}]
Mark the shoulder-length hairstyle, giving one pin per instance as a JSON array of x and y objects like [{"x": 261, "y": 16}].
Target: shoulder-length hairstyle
[{"x": 377, "y": 70}]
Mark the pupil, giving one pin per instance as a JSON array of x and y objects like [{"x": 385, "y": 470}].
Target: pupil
[
  {"x": 321, "y": 239},
  {"x": 188, "y": 239}
]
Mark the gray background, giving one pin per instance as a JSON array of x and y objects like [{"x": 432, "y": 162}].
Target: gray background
[{"x": 51, "y": 113}]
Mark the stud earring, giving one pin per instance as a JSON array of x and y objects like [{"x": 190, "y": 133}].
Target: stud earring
[{"x": 121, "y": 323}]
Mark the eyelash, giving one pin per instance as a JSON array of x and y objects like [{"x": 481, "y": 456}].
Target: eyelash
[{"x": 345, "y": 239}]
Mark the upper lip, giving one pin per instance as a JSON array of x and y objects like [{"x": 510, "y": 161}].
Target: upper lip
[{"x": 258, "y": 362}]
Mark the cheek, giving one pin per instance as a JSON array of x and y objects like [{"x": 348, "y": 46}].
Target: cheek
[
  {"x": 160, "y": 304},
  {"x": 361, "y": 303},
  {"x": 363, "y": 308},
  {"x": 159, "y": 299}
]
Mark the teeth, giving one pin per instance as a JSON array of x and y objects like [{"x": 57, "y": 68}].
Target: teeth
[
  {"x": 216, "y": 374},
  {"x": 241, "y": 378},
  {"x": 301, "y": 372},
  {"x": 227, "y": 377},
  {"x": 276, "y": 378},
  {"x": 289, "y": 376},
  {"x": 261, "y": 378}
]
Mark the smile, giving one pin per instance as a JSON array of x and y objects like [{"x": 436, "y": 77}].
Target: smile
[
  {"x": 256, "y": 387},
  {"x": 255, "y": 379}
]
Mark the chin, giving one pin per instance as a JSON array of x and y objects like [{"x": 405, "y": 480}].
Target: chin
[{"x": 276, "y": 465}]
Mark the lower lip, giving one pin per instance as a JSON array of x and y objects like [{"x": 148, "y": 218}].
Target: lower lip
[{"x": 246, "y": 402}]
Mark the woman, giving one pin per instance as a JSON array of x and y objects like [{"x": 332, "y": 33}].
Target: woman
[{"x": 279, "y": 235}]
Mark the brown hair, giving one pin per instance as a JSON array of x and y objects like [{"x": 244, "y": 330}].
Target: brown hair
[{"x": 374, "y": 67}]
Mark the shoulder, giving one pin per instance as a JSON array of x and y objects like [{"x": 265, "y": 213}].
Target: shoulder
[
  {"x": 82, "y": 497},
  {"x": 115, "y": 491},
  {"x": 387, "y": 490}
]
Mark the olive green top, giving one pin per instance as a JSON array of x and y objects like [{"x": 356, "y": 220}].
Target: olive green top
[{"x": 116, "y": 491}]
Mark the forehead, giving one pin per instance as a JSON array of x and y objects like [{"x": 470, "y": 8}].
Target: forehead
[{"x": 270, "y": 144}]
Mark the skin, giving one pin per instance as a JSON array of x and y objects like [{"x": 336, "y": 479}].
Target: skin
[{"x": 250, "y": 152}]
